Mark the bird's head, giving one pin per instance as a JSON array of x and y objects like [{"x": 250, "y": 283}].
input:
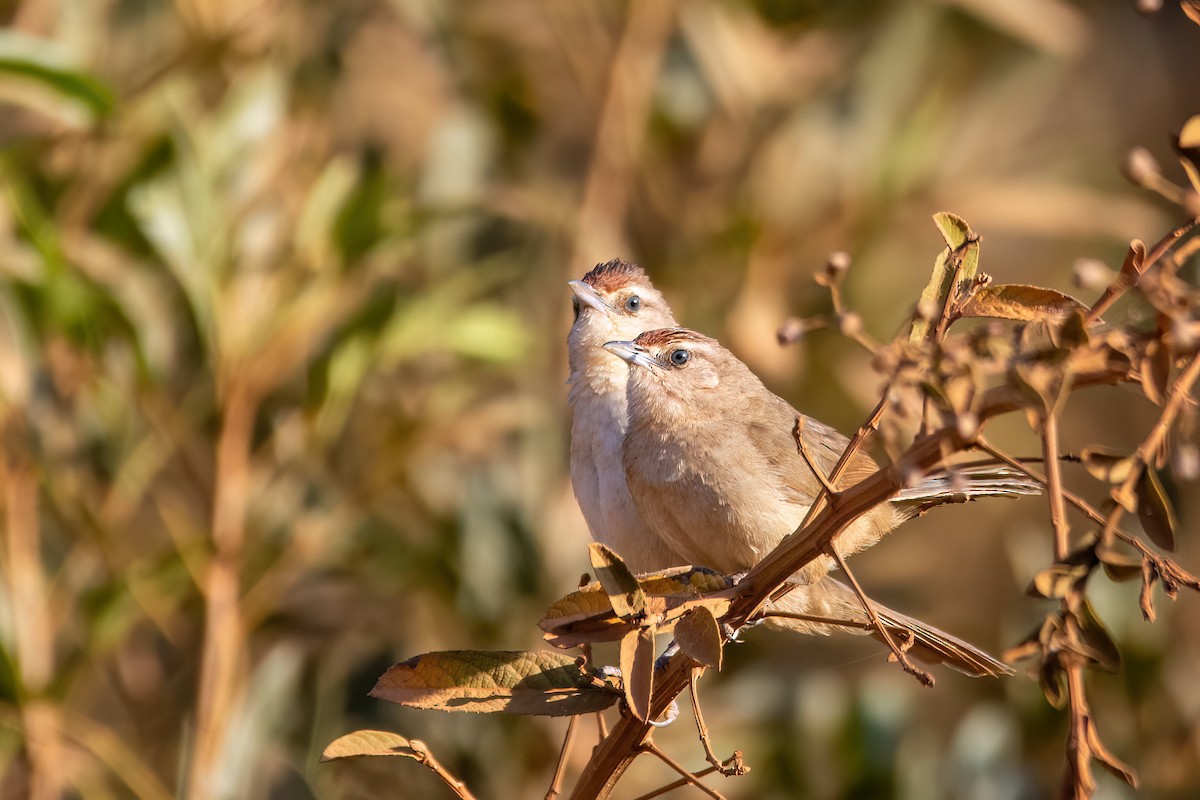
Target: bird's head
[
  {"x": 615, "y": 300},
  {"x": 675, "y": 370}
]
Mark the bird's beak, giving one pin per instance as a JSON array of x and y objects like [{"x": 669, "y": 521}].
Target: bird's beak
[
  {"x": 635, "y": 354},
  {"x": 588, "y": 296}
]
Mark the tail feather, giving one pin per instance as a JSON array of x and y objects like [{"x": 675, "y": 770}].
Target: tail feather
[
  {"x": 830, "y": 600},
  {"x": 961, "y": 485}
]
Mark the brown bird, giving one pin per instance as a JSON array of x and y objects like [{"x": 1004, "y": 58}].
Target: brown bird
[
  {"x": 614, "y": 300},
  {"x": 712, "y": 466}
]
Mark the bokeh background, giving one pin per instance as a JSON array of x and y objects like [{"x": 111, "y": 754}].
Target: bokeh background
[{"x": 283, "y": 304}]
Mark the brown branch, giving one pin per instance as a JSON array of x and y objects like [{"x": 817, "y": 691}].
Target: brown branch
[
  {"x": 670, "y": 787},
  {"x": 923, "y": 677},
  {"x": 798, "y": 435},
  {"x": 689, "y": 777},
  {"x": 1124, "y": 281},
  {"x": 733, "y": 765},
  {"x": 560, "y": 770},
  {"x": 839, "y": 623},
  {"x": 424, "y": 756}
]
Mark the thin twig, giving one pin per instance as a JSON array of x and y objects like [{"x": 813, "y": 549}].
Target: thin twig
[
  {"x": 670, "y": 787},
  {"x": 1058, "y": 517},
  {"x": 798, "y": 435},
  {"x": 424, "y": 756},
  {"x": 691, "y": 778},
  {"x": 897, "y": 652},
  {"x": 560, "y": 770},
  {"x": 733, "y": 765}
]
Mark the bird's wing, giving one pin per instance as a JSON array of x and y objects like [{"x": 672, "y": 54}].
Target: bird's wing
[{"x": 772, "y": 434}]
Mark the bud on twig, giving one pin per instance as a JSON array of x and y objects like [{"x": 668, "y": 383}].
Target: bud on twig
[{"x": 1140, "y": 167}]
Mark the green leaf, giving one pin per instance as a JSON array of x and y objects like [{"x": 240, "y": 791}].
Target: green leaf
[
  {"x": 699, "y": 637},
  {"x": 370, "y": 743},
  {"x": 1019, "y": 302},
  {"x": 1155, "y": 510},
  {"x": 515, "y": 682},
  {"x": 963, "y": 249},
  {"x": 42, "y": 62},
  {"x": 622, "y": 588}
]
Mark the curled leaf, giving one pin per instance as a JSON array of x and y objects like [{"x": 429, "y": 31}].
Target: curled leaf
[
  {"x": 1056, "y": 580},
  {"x": 370, "y": 743},
  {"x": 1053, "y": 682},
  {"x": 1118, "y": 565},
  {"x": 962, "y": 258},
  {"x": 1098, "y": 642},
  {"x": 623, "y": 590},
  {"x": 1155, "y": 510},
  {"x": 1104, "y": 465},
  {"x": 516, "y": 682},
  {"x": 637, "y": 670},
  {"x": 1020, "y": 302},
  {"x": 699, "y": 637}
]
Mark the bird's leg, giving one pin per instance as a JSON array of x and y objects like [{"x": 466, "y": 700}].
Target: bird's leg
[
  {"x": 732, "y": 765},
  {"x": 897, "y": 652}
]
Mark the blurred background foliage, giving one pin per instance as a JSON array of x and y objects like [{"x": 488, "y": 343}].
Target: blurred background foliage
[{"x": 282, "y": 299}]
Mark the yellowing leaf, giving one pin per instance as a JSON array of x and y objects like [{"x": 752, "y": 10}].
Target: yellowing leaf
[
  {"x": 370, "y": 743},
  {"x": 1019, "y": 302},
  {"x": 699, "y": 637},
  {"x": 961, "y": 257},
  {"x": 516, "y": 682},
  {"x": 623, "y": 590}
]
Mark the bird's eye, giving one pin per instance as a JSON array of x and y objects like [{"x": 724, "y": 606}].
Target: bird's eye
[
  {"x": 633, "y": 304},
  {"x": 680, "y": 357}
]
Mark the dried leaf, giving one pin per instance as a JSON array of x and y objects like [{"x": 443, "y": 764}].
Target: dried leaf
[
  {"x": 961, "y": 257},
  {"x": 516, "y": 682},
  {"x": 1146, "y": 598},
  {"x": 1155, "y": 510},
  {"x": 1056, "y": 580},
  {"x": 1107, "y": 760},
  {"x": 1105, "y": 465},
  {"x": 370, "y": 743},
  {"x": 1020, "y": 302},
  {"x": 1100, "y": 646},
  {"x": 1192, "y": 9},
  {"x": 1053, "y": 682},
  {"x": 699, "y": 637},
  {"x": 586, "y": 616},
  {"x": 1118, "y": 565},
  {"x": 623, "y": 590},
  {"x": 637, "y": 670},
  {"x": 1155, "y": 369}
]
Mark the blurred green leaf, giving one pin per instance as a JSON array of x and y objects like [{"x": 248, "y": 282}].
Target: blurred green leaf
[{"x": 41, "y": 62}]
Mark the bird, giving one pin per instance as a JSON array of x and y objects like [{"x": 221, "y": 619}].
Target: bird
[
  {"x": 712, "y": 466},
  {"x": 614, "y": 300}
]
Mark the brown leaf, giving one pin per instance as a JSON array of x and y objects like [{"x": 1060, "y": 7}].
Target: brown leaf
[
  {"x": 1155, "y": 368},
  {"x": 1192, "y": 9},
  {"x": 1056, "y": 580},
  {"x": 623, "y": 590},
  {"x": 1105, "y": 465},
  {"x": 516, "y": 682},
  {"x": 1020, "y": 302},
  {"x": 637, "y": 670},
  {"x": 1118, "y": 565},
  {"x": 1053, "y": 682},
  {"x": 1099, "y": 643},
  {"x": 371, "y": 743},
  {"x": 699, "y": 637},
  {"x": 1146, "y": 598},
  {"x": 1155, "y": 510}
]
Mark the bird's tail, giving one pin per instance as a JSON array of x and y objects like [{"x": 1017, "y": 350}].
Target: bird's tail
[
  {"x": 960, "y": 485},
  {"x": 819, "y": 607}
]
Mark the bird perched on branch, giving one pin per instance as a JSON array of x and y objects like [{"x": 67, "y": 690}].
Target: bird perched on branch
[
  {"x": 616, "y": 301},
  {"x": 712, "y": 462}
]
